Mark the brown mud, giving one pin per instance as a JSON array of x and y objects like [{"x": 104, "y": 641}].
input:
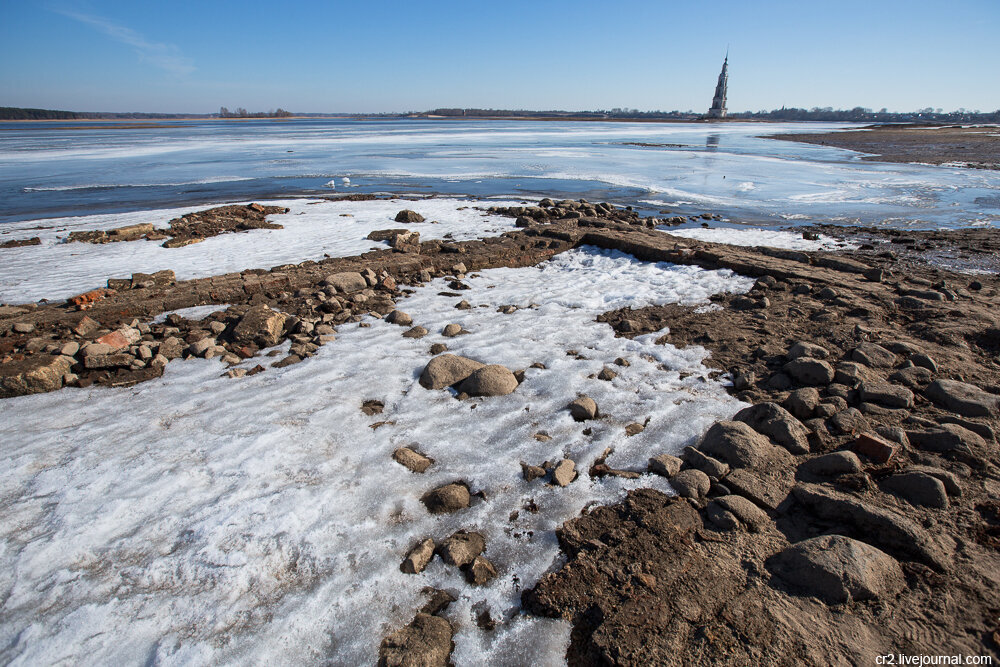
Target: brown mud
[{"x": 977, "y": 147}]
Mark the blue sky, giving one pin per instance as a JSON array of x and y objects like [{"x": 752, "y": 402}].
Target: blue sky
[{"x": 375, "y": 55}]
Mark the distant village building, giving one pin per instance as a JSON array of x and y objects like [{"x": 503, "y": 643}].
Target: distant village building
[{"x": 718, "y": 109}]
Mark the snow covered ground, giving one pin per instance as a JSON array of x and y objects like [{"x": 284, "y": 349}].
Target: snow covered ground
[
  {"x": 759, "y": 237},
  {"x": 202, "y": 519},
  {"x": 312, "y": 229}
]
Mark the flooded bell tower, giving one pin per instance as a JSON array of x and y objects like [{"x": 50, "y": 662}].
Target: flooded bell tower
[{"x": 718, "y": 109}]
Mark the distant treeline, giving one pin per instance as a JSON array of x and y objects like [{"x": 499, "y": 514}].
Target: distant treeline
[
  {"x": 857, "y": 114},
  {"x": 16, "y": 113},
  {"x": 243, "y": 113}
]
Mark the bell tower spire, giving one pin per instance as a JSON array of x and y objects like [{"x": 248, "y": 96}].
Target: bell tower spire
[{"x": 718, "y": 109}]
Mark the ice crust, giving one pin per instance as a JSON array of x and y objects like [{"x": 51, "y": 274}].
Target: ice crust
[
  {"x": 312, "y": 228},
  {"x": 202, "y": 519},
  {"x": 759, "y": 237}
]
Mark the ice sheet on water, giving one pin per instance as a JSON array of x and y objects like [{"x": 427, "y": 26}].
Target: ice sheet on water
[
  {"x": 198, "y": 519},
  {"x": 759, "y": 237},
  {"x": 312, "y": 229}
]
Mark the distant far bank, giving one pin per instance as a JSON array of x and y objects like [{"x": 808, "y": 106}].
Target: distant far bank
[{"x": 785, "y": 114}]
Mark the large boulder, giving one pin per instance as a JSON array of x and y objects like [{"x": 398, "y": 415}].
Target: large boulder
[
  {"x": 965, "y": 399},
  {"x": 838, "y": 569},
  {"x": 492, "y": 380},
  {"x": 873, "y": 355},
  {"x": 260, "y": 325},
  {"x": 888, "y": 395},
  {"x": 778, "y": 423},
  {"x": 950, "y": 439},
  {"x": 918, "y": 488},
  {"x": 447, "y": 369}
]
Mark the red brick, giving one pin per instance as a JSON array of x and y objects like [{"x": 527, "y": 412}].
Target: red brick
[{"x": 875, "y": 448}]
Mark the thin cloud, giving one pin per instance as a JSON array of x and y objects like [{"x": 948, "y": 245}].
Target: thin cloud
[{"x": 165, "y": 56}]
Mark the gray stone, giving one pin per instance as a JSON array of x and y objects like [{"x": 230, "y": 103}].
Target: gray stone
[
  {"x": 804, "y": 349},
  {"x": 767, "y": 488},
  {"x": 965, "y": 399},
  {"x": 446, "y": 499},
  {"x": 889, "y": 395},
  {"x": 564, "y": 473},
  {"x": 480, "y": 571},
  {"x": 447, "y": 369},
  {"x": 451, "y": 330},
  {"x": 721, "y": 517},
  {"x": 918, "y": 488},
  {"x": 802, "y": 402},
  {"x": 737, "y": 444},
  {"x": 425, "y": 642},
  {"x": 774, "y": 421},
  {"x": 849, "y": 422},
  {"x": 492, "y": 380},
  {"x": 583, "y": 408},
  {"x": 412, "y": 460},
  {"x": 914, "y": 377},
  {"x": 873, "y": 355},
  {"x": 807, "y": 370},
  {"x": 924, "y": 361},
  {"x": 418, "y": 557},
  {"x": 665, "y": 464},
  {"x": 883, "y": 528},
  {"x": 346, "y": 281},
  {"x": 461, "y": 548},
  {"x": 749, "y": 514},
  {"x": 950, "y": 480},
  {"x": 70, "y": 349},
  {"x": 838, "y": 569},
  {"x": 260, "y": 325},
  {"x": 949, "y": 439},
  {"x": 400, "y": 318},
  {"x": 836, "y": 463},
  {"x": 712, "y": 467},
  {"x": 691, "y": 483},
  {"x": 23, "y": 327}
]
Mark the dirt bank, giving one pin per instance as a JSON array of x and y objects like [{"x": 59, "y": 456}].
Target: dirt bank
[{"x": 977, "y": 147}]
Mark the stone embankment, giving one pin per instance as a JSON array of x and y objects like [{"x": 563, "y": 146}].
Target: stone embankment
[{"x": 851, "y": 510}]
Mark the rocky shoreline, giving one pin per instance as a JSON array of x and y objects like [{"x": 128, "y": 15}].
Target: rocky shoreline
[{"x": 852, "y": 510}]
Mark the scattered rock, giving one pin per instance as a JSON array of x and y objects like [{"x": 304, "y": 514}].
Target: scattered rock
[
  {"x": 480, "y": 571},
  {"x": 492, "y": 380},
  {"x": 446, "y": 370},
  {"x": 415, "y": 332},
  {"x": 564, "y": 472},
  {"x": 849, "y": 422},
  {"x": 418, "y": 557},
  {"x": 583, "y": 408},
  {"x": 802, "y": 402},
  {"x": 774, "y": 421},
  {"x": 839, "y": 569},
  {"x": 665, "y": 465},
  {"x": 399, "y": 317},
  {"x": 737, "y": 444},
  {"x": 807, "y": 370},
  {"x": 950, "y": 439},
  {"x": 741, "y": 509},
  {"x": 447, "y": 498},
  {"x": 406, "y": 215},
  {"x": 918, "y": 488},
  {"x": 607, "y": 374},
  {"x": 889, "y": 395},
  {"x": 34, "y": 375},
  {"x": 438, "y": 348},
  {"x": 714, "y": 468},
  {"x": 461, "y": 548},
  {"x": 260, "y": 325},
  {"x": 806, "y": 349},
  {"x": 691, "y": 483},
  {"x": 451, "y": 330},
  {"x": 873, "y": 355},
  {"x": 346, "y": 281},
  {"x": 883, "y": 528},
  {"x": 836, "y": 463},
  {"x": 425, "y": 642},
  {"x": 531, "y": 473},
  {"x": 965, "y": 399},
  {"x": 413, "y": 460}
]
